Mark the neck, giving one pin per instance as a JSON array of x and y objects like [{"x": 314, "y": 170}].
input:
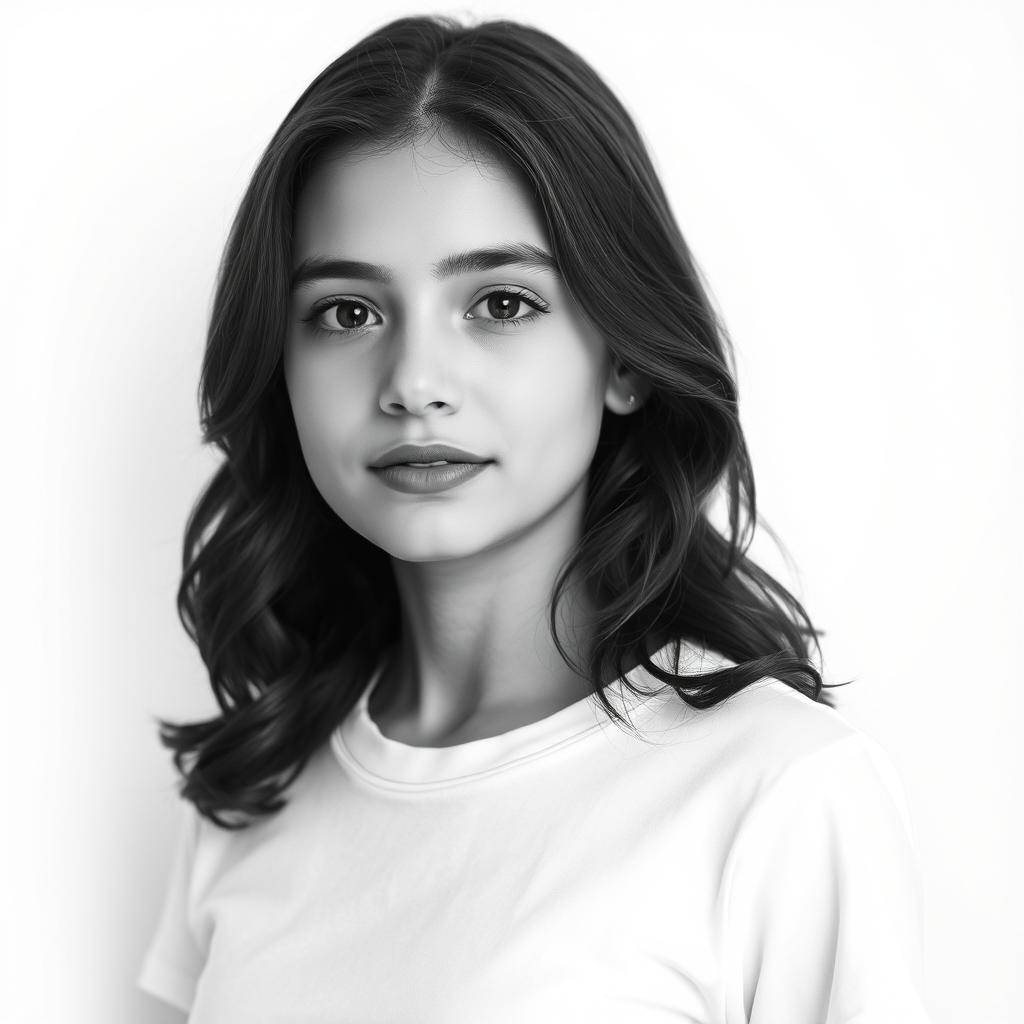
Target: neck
[{"x": 475, "y": 646}]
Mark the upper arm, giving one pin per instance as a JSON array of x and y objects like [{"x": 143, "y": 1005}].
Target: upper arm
[
  {"x": 175, "y": 958},
  {"x": 823, "y": 908}
]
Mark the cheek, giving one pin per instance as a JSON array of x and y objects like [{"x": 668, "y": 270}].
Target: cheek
[
  {"x": 324, "y": 409},
  {"x": 560, "y": 408}
]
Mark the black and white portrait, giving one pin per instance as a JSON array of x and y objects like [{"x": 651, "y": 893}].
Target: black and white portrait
[{"x": 512, "y": 513}]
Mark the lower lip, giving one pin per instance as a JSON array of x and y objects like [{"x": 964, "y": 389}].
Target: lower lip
[{"x": 429, "y": 479}]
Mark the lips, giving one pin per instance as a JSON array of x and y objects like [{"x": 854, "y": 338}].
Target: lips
[{"x": 411, "y": 454}]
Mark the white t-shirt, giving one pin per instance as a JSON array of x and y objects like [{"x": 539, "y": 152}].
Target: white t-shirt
[{"x": 753, "y": 862}]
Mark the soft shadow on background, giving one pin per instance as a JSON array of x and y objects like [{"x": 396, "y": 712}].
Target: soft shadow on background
[{"x": 848, "y": 176}]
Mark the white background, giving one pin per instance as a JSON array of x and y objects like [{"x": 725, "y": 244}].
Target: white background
[{"x": 848, "y": 175}]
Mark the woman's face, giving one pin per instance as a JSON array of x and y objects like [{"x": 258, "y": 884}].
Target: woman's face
[{"x": 420, "y": 345}]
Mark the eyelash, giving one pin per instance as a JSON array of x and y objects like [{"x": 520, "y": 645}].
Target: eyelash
[{"x": 540, "y": 307}]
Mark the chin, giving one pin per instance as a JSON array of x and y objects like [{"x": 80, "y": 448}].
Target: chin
[{"x": 417, "y": 545}]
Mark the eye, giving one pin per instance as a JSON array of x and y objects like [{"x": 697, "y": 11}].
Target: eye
[
  {"x": 342, "y": 316},
  {"x": 503, "y": 306}
]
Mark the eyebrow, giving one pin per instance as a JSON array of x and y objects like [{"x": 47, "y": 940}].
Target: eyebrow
[{"x": 521, "y": 254}]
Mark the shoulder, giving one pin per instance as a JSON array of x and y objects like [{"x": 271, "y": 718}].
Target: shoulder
[
  {"x": 768, "y": 712},
  {"x": 754, "y": 737}
]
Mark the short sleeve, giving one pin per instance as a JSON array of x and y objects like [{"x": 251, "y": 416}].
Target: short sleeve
[
  {"x": 174, "y": 959},
  {"x": 823, "y": 906}
]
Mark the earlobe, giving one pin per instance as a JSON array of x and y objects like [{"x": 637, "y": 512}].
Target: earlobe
[{"x": 624, "y": 394}]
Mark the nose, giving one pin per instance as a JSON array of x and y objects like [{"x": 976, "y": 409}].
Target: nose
[{"x": 418, "y": 379}]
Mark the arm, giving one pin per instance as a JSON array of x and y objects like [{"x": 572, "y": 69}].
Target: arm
[
  {"x": 822, "y": 919},
  {"x": 175, "y": 959}
]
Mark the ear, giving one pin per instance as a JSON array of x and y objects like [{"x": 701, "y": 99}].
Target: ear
[{"x": 626, "y": 390}]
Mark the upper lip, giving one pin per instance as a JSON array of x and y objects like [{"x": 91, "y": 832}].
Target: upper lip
[{"x": 425, "y": 453}]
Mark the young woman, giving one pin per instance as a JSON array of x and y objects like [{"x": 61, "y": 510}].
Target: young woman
[{"x": 508, "y": 730}]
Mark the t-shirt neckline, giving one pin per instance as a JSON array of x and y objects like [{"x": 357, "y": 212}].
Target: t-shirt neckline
[{"x": 364, "y": 750}]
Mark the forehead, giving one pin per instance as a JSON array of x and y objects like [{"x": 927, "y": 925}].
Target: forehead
[{"x": 410, "y": 206}]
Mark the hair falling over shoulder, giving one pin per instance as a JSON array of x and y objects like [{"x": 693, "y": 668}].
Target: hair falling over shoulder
[{"x": 288, "y": 606}]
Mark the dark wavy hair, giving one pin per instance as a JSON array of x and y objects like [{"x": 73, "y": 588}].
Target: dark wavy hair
[{"x": 290, "y": 608}]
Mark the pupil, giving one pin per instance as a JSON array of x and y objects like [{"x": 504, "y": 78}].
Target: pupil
[
  {"x": 351, "y": 311},
  {"x": 498, "y": 306}
]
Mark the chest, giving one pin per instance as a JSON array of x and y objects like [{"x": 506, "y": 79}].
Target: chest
[{"x": 505, "y": 911}]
